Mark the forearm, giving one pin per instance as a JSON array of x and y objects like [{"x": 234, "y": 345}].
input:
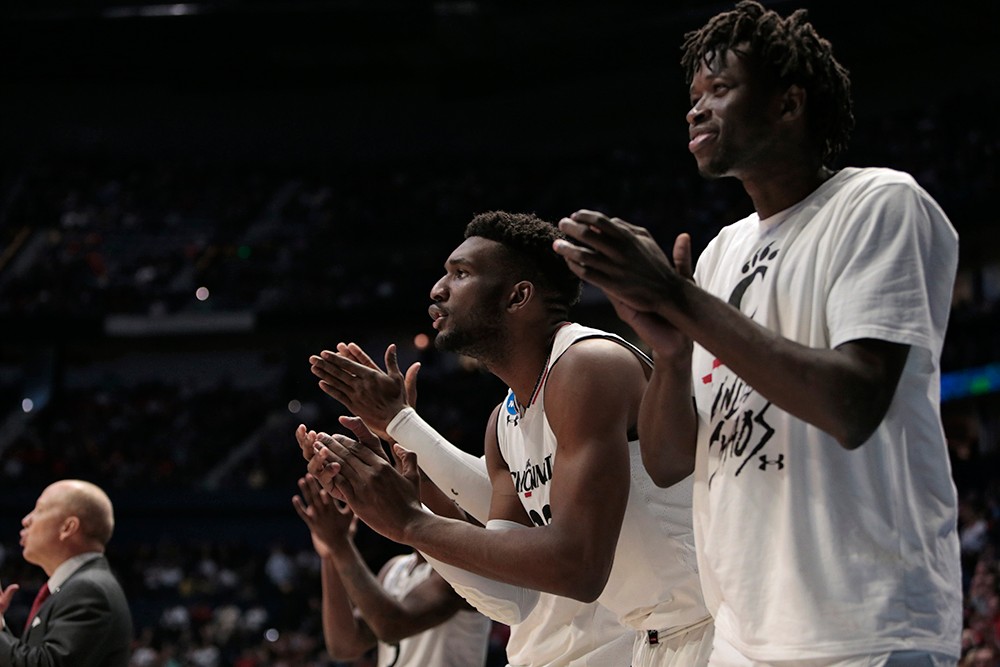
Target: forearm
[
  {"x": 568, "y": 567},
  {"x": 826, "y": 388},
  {"x": 504, "y": 603},
  {"x": 381, "y": 613},
  {"x": 668, "y": 425},
  {"x": 452, "y": 470},
  {"x": 346, "y": 636},
  {"x": 438, "y": 502}
]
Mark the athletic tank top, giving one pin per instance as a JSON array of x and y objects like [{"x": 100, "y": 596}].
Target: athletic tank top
[
  {"x": 654, "y": 580},
  {"x": 461, "y": 641}
]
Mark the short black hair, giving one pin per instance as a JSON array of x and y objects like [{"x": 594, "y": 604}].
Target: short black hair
[
  {"x": 791, "y": 50},
  {"x": 528, "y": 240}
]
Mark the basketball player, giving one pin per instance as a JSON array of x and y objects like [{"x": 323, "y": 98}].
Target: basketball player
[
  {"x": 561, "y": 447},
  {"x": 825, "y": 514}
]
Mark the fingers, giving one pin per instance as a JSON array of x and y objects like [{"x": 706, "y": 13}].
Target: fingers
[
  {"x": 599, "y": 223},
  {"x": 306, "y": 439},
  {"x": 364, "y": 434},
  {"x": 577, "y": 257},
  {"x": 354, "y": 352},
  {"x": 599, "y": 232},
  {"x": 312, "y": 492},
  {"x": 601, "y": 240},
  {"x": 324, "y": 466},
  {"x": 334, "y": 365},
  {"x": 302, "y": 510},
  {"x": 682, "y": 256},
  {"x": 352, "y": 456}
]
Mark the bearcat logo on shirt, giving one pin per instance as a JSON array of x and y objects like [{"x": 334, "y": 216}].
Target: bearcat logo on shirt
[{"x": 738, "y": 412}]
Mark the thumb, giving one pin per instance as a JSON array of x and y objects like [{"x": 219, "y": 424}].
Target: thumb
[
  {"x": 410, "y": 383},
  {"x": 407, "y": 464},
  {"x": 625, "y": 312},
  {"x": 682, "y": 256},
  {"x": 392, "y": 362},
  {"x": 7, "y": 595}
]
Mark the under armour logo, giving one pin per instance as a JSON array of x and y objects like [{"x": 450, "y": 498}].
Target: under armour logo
[
  {"x": 513, "y": 419},
  {"x": 780, "y": 462}
]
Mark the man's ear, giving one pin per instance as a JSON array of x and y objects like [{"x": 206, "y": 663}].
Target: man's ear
[
  {"x": 793, "y": 102},
  {"x": 521, "y": 295},
  {"x": 70, "y": 526}
]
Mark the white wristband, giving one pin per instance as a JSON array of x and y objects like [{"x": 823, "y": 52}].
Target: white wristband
[
  {"x": 459, "y": 474},
  {"x": 504, "y": 603}
]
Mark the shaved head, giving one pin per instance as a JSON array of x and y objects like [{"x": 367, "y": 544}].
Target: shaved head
[{"x": 91, "y": 504}]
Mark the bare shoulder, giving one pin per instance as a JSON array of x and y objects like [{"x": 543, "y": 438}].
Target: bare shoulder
[
  {"x": 592, "y": 382},
  {"x": 600, "y": 360}
]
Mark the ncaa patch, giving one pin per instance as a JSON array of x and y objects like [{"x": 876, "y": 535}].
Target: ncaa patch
[{"x": 511, "y": 404}]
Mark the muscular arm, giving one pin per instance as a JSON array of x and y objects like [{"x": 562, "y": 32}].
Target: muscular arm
[
  {"x": 668, "y": 425},
  {"x": 356, "y": 607},
  {"x": 346, "y": 635},
  {"x": 590, "y": 488},
  {"x": 844, "y": 391}
]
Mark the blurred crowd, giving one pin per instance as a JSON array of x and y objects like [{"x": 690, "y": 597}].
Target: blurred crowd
[{"x": 335, "y": 251}]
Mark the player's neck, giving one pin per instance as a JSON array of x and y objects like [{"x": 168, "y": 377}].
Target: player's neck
[
  {"x": 527, "y": 361},
  {"x": 774, "y": 192}
]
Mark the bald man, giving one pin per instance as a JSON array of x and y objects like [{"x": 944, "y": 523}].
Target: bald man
[{"x": 81, "y": 617}]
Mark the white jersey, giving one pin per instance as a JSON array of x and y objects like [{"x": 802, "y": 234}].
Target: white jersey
[
  {"x": 562, "y": 632},
  {"x": 808, "y": 550},
  {"x": 653, "y": 583},
  {"x": 461, "y": 641}
]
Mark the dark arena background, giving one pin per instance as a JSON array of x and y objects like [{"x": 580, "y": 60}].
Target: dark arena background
[{"x": 195, "y": 197}]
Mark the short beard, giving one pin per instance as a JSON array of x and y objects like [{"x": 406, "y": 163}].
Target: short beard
[{"x": 485, "y": 342}]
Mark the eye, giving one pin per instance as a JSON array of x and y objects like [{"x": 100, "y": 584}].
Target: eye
[
  {"x": 460, "y": 273},
  {"x": 720, "y": 88}
]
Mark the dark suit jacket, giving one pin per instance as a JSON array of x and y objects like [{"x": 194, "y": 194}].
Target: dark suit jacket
[{"x": 86, "y": 623}]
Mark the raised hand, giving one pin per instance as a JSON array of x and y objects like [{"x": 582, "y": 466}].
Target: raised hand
[
  {"x": 354, "y": 352},
  {"x": 622, "y": 259},
  {"x": 625, "y": 262},
  {"x": 383, "y": 497},
  {"x": 7, "y": 596},
  {"x": 331, "y": 525},
  {"x": 374, "y": 395}
]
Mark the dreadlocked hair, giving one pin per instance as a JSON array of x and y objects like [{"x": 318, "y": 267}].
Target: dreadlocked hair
[
  {"x": 528, "y": 241},
  {"x": 789, "y": 49}
]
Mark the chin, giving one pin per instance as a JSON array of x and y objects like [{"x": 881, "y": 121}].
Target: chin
[{"x": 714, "y": 169}]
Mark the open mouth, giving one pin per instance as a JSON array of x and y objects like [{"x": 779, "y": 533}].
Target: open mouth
[
  {"x": 437, "y": 314},
  {"x": 700, "y": 140}
]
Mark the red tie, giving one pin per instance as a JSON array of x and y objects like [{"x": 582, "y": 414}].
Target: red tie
[{"x": 43, "y": 593}]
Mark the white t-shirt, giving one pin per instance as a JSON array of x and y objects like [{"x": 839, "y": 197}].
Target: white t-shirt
[
  {"x": 807, "y": 549},
  {"x": 461, "y": 641},
  {"x": 653, "y": 583}
]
